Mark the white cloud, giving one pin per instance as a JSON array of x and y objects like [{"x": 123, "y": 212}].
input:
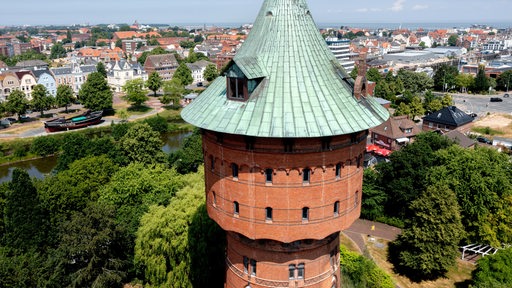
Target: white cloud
[
  {"x": 398, "y": 5},
  {"x": 420, "y": 7},
  {"x": 362, "y": 10}
]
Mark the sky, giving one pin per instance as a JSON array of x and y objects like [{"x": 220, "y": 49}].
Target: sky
[{"x": 61, "y": 12}]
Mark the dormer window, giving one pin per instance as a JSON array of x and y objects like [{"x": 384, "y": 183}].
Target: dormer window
[{"x": 237, "y": 88}]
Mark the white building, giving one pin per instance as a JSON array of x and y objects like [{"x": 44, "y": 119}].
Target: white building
[
  {"x": 341, "y": 50},
  {"x": 198, "y": 69},
  {"x": 123, "y": 71}
]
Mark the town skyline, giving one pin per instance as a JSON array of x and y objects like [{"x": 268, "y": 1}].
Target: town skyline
[{"x": 367, "y": 11}]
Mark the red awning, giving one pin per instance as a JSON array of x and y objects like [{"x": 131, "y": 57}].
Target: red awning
[
  {"x": 383, "y": 152},
  {"x": 372, "y": 147}
]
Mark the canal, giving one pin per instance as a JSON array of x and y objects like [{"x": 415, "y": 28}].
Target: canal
[{"x": 41, "y": 167}]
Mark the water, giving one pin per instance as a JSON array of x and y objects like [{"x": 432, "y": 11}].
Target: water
[{"x": 39, "y": 168}]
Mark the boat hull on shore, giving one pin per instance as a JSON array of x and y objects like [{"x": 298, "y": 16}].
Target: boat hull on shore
[{"x": 80, "y": 121}]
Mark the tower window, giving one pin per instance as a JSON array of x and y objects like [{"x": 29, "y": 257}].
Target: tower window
[
  {"x": 236, "y": 208},
  {"x": 246, "y": 265},
  {"x": 288, "y": 145},
  {"x": 291, "y": 271},
  {"x": 237, "y": 88},
  {"x": 305, "y": 214},
  {"x": 338, "y": 170},
  {"x": 212, "y": 162},
  {"x": 326, "y": 144},
  {"x": 268, "y": 175},
  {"x": 300, "y": 273},
  {"x": 253, "y": 267},
  {"x": 214, "y": 199},
  {"x": 336, "y": 208},
  {"x": 234, "y": 170},
  {"x": 268, "y": 214},
  {"x": 306, "y": 175}
]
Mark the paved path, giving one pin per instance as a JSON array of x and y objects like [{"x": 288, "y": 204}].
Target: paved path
[{"x": 364, "y": 227}]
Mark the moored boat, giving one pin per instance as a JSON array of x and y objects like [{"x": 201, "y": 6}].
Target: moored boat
[{"x": 80, "y": 121}]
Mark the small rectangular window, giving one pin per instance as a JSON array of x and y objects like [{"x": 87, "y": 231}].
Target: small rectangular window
[
  {"x": 306, "y": 175},
  {"x": 305, "y": 214},
  {"x": 300, "y": 271},
  {"x": 236, "y": 208},
  {"x": 338, "y": 170},
  {"x": 291, "y": 272},
  {"x": 337, "y": 208},
  {"x": 246, "y": 265},
  {"x": 253, "y": 267},
  {"x": 268, "y": 213},
  {"x": 212, "y": 163},
  {"x": 268, "y": 175},
  {"x": 234, "y": 170}
]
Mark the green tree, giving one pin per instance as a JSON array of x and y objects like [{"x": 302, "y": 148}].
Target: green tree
[
  {"x": 464, "y": 81},
  {"x": 135, "y": 92},
  {"x": 403, "y": 110},
  {"x": 94, "y": 248},
  {"x": 434, "y": 105},
  {"x": 64, "y": 96},
  {"x": 41, "y": 99},
  {"x": 173, "y": 91},
  {"x": 24, "y": 218},
  {"x": 415, "y": 82},
  {"x": 428, "y": 246},
  {"x": 154, "y": 82},
  {"x": 423, "y": 45},
  {"x": 481, "y": 179},
  {"x": 189, "y": 157},
  {"x": 183, "y": 74},
  {"x": 445, "y": 77},
  {"x": 372, "y": 205},
  {"x": 494, "y": 271},
  {"x": 142, "y": 144},
  {"x": 188, "y": 44},
  {"x": 402, "y": 179},
  {"x": 447, "y": 100},
  {"x": 481, "y": 83},
  {"x": 374, "y": 75},
  {"x": 416, "y": 107},
  {"x": 45, "y": 145},
  {"x": 17, "y": 103},
  {"x": 95, "y": 93},
  {"x": 453, "y": 39},
  {"x": 505, "y": 80},
  {"x": 210, "y": 73},
  {"x": 57, "y": 51},
  {"x": 100, "y": 68}
]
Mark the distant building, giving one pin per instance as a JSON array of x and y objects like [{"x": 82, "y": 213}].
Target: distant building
[
  {"x": 197, "y": 69},
  {"x": 73, "y": 76},
  {"x": 341, "y": 50},
  {"x": 447, "y": 119},
  {"x": 165, "y": 65},
  {"x": 10, "y": 82},
  {"x": 130, "y": 45},
  {"x": 3, "y": 66},
  {"x": 27, "y": 82},
  {"x": 45, "y": 78},
  {"x": 123, "y": 71},
  {"x": 395, "y": 133}
]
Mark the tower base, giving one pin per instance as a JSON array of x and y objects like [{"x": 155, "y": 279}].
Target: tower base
[{"x": 267, "y": 263}]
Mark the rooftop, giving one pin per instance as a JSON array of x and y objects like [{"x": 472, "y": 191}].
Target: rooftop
[{"x": 301, "y": 91}]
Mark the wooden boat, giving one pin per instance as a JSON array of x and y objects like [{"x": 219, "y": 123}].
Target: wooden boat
[{"x": 80, "y": 121}]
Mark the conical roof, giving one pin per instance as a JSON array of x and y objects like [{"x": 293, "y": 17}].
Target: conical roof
[{"x": 301, "y": 92}]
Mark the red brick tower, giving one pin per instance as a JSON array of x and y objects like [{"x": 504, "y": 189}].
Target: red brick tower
[{"x": 283, "y": 139}]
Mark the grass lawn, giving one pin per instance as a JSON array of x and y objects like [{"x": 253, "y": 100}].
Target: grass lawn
[{"x": 456, "y": 277}]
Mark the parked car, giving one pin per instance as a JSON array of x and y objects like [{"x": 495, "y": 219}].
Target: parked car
[
  {"x": 496, "y": 99},
  {"x": 482, "y": 139}
]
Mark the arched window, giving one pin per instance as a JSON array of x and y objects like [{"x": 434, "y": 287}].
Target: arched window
[
  {"x": 305, "y": 214},
  {"x": 300, "y": 271},
  {"x": 268, "y": 214},
  {"x": 291, "y": 271}
]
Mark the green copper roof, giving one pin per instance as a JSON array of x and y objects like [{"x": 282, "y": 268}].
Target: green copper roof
[{"x": 304, "y": 92}]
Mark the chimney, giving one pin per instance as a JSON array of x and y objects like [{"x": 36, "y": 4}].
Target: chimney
[{"x": 361, "y": 82}]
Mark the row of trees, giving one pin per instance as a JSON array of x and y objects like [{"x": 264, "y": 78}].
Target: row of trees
[
  {"x": 446, "y": 197},
  {"x": 448, "y": 78},
  {"x": 114, "y": 212}
]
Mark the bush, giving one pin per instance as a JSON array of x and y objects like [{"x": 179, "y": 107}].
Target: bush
[
  {"x": 494, "y": 270},
  {"x": 119, "y": 130},
  {"x": 360, "y": 272},
  {"x": 44, "y": 146},
  {"x": 158, "y": 124},
  {"x": 21, "y": 151}
]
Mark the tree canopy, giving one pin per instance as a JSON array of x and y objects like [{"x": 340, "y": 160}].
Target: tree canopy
[
  {"x": 64, "y": 96},
  {"x": 95, "y": 93},
  {"x": 494, "y": 271},
  {"x": 154, "y": 82},
  {"x": 135, "y": 92},
  {"x": 17, "y": 103},
  {"x": 41, "y": 99},
  {"x": 211, "y": 73},
  {"x": 183, "y": 74}
]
